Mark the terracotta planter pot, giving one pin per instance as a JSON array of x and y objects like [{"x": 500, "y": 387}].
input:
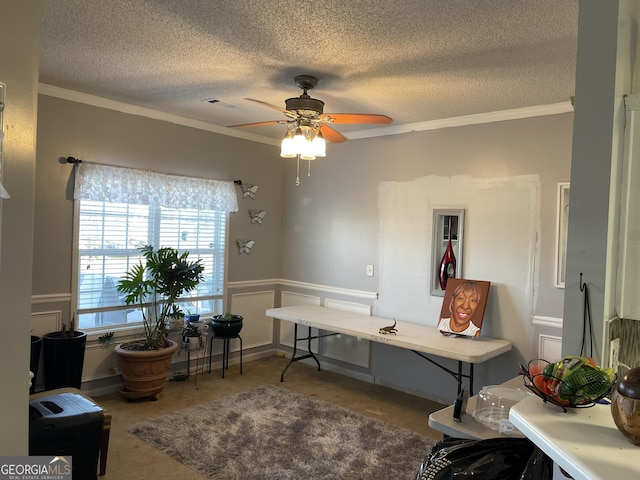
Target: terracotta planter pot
[{"x": 145, "y": 372}]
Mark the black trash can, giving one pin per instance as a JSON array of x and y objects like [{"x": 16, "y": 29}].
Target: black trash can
[
  {"x": 63, "y": 359},
  {"x": 36, "y": 346},
  {"x": 67, "y": 425}
]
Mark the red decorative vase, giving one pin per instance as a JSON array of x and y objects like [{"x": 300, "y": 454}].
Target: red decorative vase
[{"x": 448, "y": 263}]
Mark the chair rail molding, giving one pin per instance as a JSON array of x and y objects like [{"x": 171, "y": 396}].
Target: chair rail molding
[
  {"x": 305, "y": 285},
  {"x": 51, "y": 298},
  {"x": 543, "y": 321}
]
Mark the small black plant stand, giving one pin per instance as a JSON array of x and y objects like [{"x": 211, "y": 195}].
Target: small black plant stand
[{"x": 225, "y": 351}]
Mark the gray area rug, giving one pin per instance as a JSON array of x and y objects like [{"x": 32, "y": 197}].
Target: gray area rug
[{"x": 271, "y": 433}]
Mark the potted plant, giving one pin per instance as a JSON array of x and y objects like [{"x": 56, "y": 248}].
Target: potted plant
[
  {"x": 192, "y": 317},
  {"x": 154, "y": 286},
  {"x": 191, "y": 336},
  {"x": 63, "y": 357},
  {"x": 226, "y": 325}
]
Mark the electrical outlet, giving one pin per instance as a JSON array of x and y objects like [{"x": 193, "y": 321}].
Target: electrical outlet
[
  {"x": 614, "y": 351},
  {"x": 369, "y": 270}
]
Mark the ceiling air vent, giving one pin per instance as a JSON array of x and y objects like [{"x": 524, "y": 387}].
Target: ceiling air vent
[{"x": 215, "y": 101}]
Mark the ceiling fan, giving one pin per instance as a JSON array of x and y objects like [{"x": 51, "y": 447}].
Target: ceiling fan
[{"x": 306, "y": 117}]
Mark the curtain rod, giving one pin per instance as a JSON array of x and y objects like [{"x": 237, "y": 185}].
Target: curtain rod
[{"x": 76, "y": 161}]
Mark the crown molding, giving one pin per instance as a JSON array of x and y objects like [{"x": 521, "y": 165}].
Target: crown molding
[
  {"x": 490, "y": 117},
  {"x": 95, "y": 101},
  {"x": 476, "y": 119}
]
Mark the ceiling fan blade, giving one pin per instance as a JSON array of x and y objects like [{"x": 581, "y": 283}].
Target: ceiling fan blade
[
  {"x": 356, "y": 118},
  {"x": 259, "y": 124},
  {"x": 269, "y": 105},
  {"x": 331, "y": 135}
]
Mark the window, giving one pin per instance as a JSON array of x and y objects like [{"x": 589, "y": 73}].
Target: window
[{"x": 110, "y": 233}]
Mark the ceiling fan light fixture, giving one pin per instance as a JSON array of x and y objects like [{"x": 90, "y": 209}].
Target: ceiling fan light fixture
[
  {"x": 307, "y": 142},
  {"x": 305, "y": 119},
  {"x": 319, "y": 145},
  {"x": 299, "y": 140},
  {"x": 306, "y": 147},
  {"x": 307, "y": 153},
  {"x": 287, "y": 147}
]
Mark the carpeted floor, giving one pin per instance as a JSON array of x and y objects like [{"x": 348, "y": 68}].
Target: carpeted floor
[
  {"x": 132, "y": 458},
  {"x": 272, "y": 433}
]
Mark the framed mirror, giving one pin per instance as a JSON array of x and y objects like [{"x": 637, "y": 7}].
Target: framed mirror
[{"x": 446, "y": 256}]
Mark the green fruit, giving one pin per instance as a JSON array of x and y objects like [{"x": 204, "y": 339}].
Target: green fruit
[
  {"x": 549, "y": 370},
  {"x": 585, "y": 383}
]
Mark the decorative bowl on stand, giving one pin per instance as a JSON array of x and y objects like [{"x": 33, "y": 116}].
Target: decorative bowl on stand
[
  {"x": 227, "y": 325},
  {"x": 581, "y": 391}
]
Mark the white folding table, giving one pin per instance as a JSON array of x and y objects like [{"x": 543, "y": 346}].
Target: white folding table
[{"x": 423, "y": 340}]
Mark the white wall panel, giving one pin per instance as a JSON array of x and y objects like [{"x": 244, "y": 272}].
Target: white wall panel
[
  {"x": 257, "y": 328},
  {"x": 289, "y": 299},
  {"x": 550, "y": 347},
  {"x": 45, "y": 322},
  {"x": 345, "y": 347}
]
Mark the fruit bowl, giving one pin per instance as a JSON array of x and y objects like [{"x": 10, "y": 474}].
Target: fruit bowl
[{"x": 574, "y": 382}]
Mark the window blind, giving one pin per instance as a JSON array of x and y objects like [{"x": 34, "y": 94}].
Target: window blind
[{"x": 111, "y": 231}]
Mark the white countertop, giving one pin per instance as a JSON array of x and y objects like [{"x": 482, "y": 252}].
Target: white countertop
[
  {"x": 583, "y": 441},
  {"x": 411, "y": 336}
]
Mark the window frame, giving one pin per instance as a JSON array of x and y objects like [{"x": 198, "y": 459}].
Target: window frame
[{"x": 136, "y": 328}]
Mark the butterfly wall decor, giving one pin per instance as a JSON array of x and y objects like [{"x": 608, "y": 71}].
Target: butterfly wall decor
[
  {"x": 248, "y": 190},
  {"x": 257, "y": 216},
  {"x": 245, "y": 246}
]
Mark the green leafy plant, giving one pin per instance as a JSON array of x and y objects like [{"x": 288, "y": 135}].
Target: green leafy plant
[
  {"x": 191, "y": 331},
  {"x": 106, "y": 339},
  {"x": 155, "y": 286},
  {"x": 68, "y": 332}
]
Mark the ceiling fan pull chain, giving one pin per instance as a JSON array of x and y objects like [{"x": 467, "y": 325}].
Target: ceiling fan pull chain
[
  {"x": 309, "y": 169},
  {"x": 298, "y": 172}
]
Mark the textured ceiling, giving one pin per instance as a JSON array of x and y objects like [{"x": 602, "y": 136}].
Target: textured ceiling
[{"x": 412, "y": 60}]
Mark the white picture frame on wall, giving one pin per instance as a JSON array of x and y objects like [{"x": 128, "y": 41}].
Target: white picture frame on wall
[{"x": 562, "y": 229}]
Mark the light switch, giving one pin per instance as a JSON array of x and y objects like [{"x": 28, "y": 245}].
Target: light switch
[{"x": 369, "y": 270}]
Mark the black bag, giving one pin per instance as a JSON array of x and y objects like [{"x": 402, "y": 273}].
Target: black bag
[{"x": 490, "y": 459}]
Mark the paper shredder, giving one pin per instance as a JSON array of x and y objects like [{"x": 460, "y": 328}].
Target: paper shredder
[{"x": 67, "y": 424}]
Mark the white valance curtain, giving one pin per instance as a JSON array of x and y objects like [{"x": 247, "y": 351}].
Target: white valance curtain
[{"x": 107, "y": 183}]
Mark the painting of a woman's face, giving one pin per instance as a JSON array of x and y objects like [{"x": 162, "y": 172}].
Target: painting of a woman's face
[
  {"x": 462, "y": 311},
  {"x": 463, "y": 305}
]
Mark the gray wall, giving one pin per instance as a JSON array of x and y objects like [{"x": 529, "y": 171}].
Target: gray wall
[
  {"x": 332, "y": 230},
  {"x": 100, "y": 135},
  {"x": 325, "y": 231},
  {"x": 327, "y": 188},
  {"x": 607, "y": 57},
  {"x": 331, "y": 219},
  {"x": 19, "y": 56}
]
